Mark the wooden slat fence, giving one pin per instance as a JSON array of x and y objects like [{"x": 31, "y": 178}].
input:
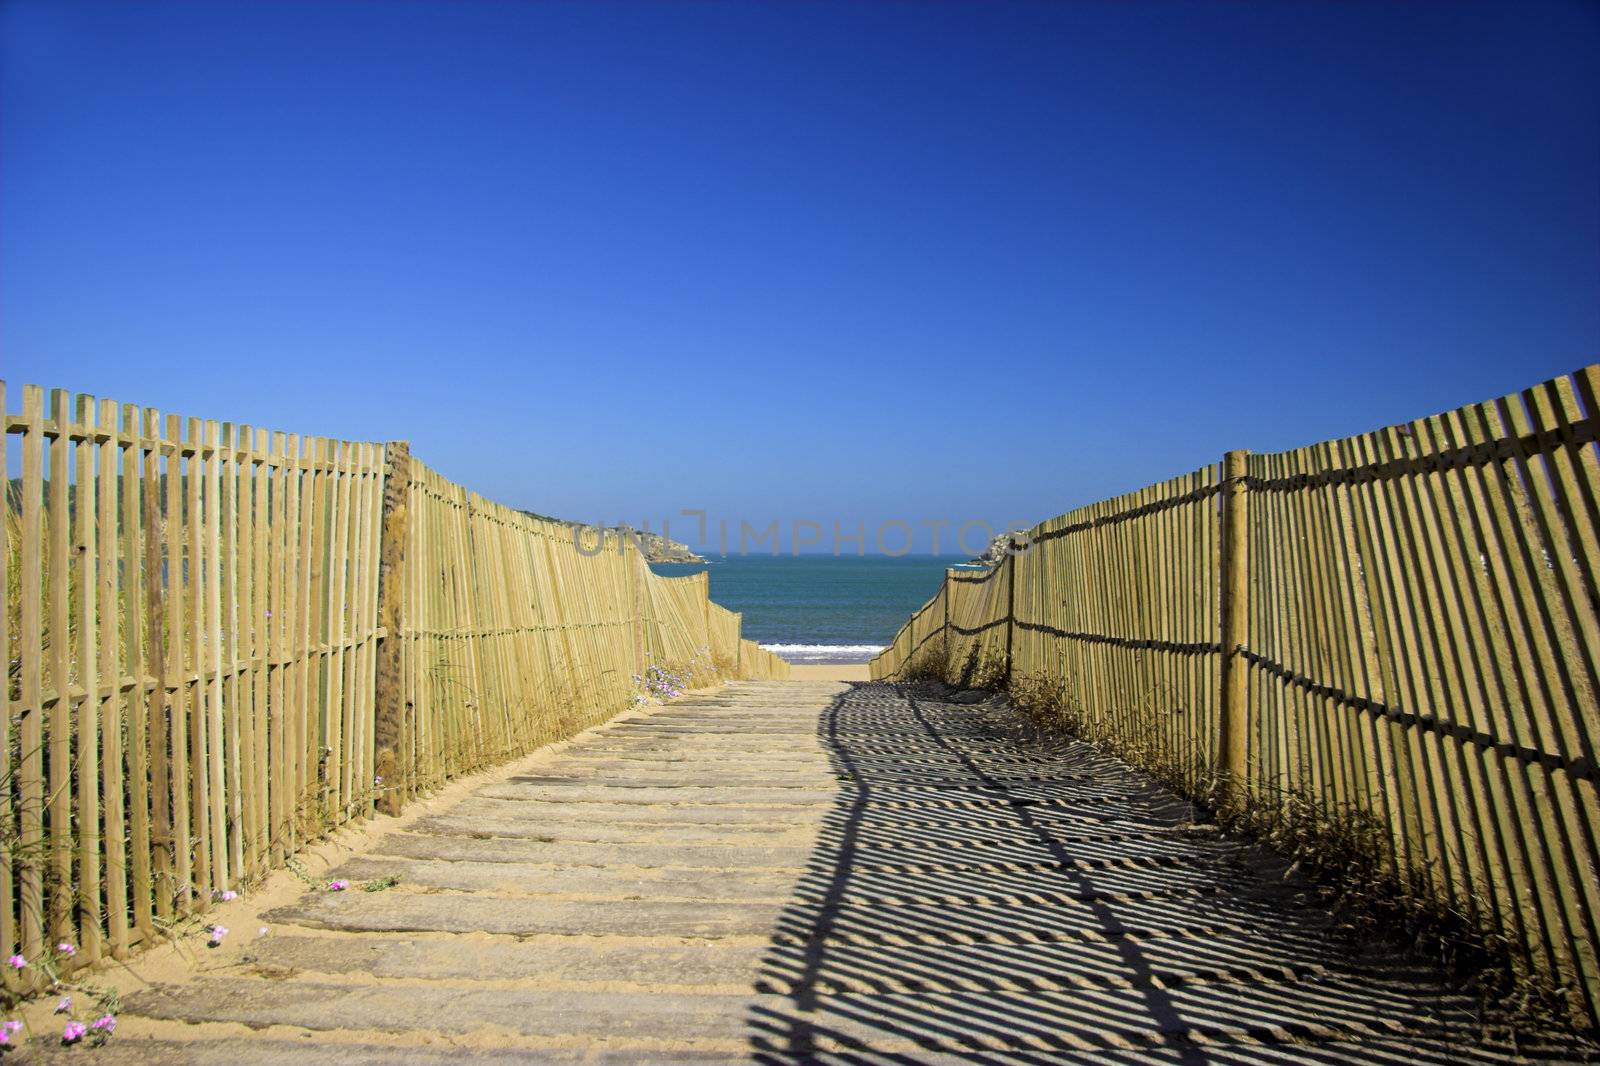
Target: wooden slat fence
[
  {"x": 1401, "y": 626},
  {"x": 223, "y": 640},
  {"x": 723, "y": 627}
]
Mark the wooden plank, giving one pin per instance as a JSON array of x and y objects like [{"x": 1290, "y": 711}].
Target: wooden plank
[
  {"x": 197, "y": 578},
  {"x": 1301, "y": 768},
  {"x": 359, "y": 677},
  {"x": 280, "y": 756},
  {"x": 229, "y": 815},
  {"x": 245, "y": 816},
  {"x": 417, "y": 648},
  {"x": 30, "y": 631},
  {"x": 210, "y": 654},
  {"x": 160, "y": 492},
  {"x": 1234, "y": 733},
  {"x": 335, "y": 726},
  {"x": 178, "y": 578},
  {"x": 268, "y": 767},
  {"x": 304, "y": 699},
  {"x": 310, "y": 701},
  {"x": 8, "y": 710},
  {"x": 110, "y": 711},
  {"x": 365, "y": 561},
  {"x": 59, "y": 891},
  {"x": 89, "y": 939}
]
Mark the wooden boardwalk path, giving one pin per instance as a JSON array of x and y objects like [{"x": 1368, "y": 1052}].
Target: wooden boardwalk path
[{"x": 797, "y": 872}]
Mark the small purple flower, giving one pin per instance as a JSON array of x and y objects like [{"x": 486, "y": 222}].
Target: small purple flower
[
  {"x": 262, "y": 931},
  {"x": 73, "y": 1032},
  {"x": 338, "y": 886},
  {"x": 377, "y": 779},
  {"x": 17, "y": 962},
  {"x": 217, "y": 933},
  {"x": 65, "y": 1005},
  {"x": 106, "y": 1024},
  {"x": 227, "y": 895},
  {"x": 67, "y": 949}
]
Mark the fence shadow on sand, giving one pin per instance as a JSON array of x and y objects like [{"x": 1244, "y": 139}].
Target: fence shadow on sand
[{"x": 980, "y": 895}]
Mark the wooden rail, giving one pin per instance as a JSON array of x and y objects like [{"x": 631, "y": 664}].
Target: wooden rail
[
  {"x": 1401, "y": 626},
  {"x": 223, "y": 641}
]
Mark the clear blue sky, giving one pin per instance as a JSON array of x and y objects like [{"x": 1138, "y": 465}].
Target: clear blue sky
[{"x": 826, "y": 260}]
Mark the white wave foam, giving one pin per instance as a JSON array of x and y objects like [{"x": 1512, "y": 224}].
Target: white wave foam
[{"x": 828, "y": 653}]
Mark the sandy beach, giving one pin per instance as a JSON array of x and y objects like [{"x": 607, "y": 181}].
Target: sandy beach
[{"x": 829, "y": 672}]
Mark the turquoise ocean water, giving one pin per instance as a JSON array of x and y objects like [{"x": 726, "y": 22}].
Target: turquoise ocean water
[{"x": 821, "y": 608}]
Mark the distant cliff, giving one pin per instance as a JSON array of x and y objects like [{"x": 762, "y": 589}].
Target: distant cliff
[
  {"x": 656, "y": 548},
  {"x": 998, "y": 549}
]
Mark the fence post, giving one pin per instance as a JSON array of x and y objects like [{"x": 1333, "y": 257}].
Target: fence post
[
  {"x": 944, "y": 590},
  {"x": 1011, "y": 606},
  {"x": 636, "y": 596},
  {"x": 705, "y": 596},
  {"x": 1233, "y": 734},
  {"x": 389, "y": 690}
]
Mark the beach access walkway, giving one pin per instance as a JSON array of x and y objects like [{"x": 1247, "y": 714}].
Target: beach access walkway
[{"x": 789, "y": 872}]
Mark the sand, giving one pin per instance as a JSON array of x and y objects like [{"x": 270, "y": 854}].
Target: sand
[
  {"x": 830, "y": 672},
  {"x": 185, "y": 957}
]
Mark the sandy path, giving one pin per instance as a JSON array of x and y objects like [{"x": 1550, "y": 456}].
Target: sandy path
[
  {"x": 830, "y": 672},
  {"x": 784, "y": 872}
]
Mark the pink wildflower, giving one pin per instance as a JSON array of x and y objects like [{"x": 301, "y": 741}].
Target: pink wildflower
[
  {"x": 16, "y": 962},
  {"x": 217, "y": 933},
  {"x": 67, "y": 949},
  {"x": 106, "y": 1023},
  {"x": 65, "y": 1005},
  {"x": 73, "y": 1032},
  {"x": 338, "y": 886},
  {"x": 262, "y": 931},
  {"x": 227, "y": 895}
]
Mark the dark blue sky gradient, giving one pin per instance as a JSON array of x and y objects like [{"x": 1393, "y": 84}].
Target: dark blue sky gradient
[{"x": 837, "y": 261}]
